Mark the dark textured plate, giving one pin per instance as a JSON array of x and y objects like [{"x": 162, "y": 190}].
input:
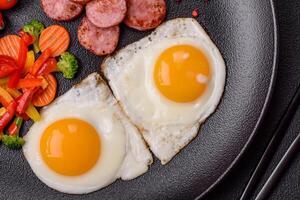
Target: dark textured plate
[{"x": 245, "y": 32}]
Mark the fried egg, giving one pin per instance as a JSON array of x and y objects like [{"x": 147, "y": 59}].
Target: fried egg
[
  {"x": 168, "y": 83},
  {"x": 84, "y": 142}
]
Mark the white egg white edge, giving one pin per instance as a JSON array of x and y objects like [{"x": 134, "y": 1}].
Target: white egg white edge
[
  {"x": 158, "y": 140},
  {"x": 137, "y": 157}
]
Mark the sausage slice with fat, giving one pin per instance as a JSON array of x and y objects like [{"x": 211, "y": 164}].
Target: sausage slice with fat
[
  {"x": 61, "y": 10},
  {"x": 106, "y": 13},
  {"x": 100, "y": 41},
  {"x": 146, "y": 14}
]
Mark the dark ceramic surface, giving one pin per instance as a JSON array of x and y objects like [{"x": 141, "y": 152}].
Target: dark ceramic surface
[{"x": 244, "y": 31}]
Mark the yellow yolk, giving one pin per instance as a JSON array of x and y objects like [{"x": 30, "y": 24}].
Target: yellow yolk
[
  {"x": 182, "y": 73},
  {"x": 70, "y": 147}
]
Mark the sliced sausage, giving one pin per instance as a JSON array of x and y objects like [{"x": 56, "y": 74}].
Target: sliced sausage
[
  {"x": 100, "y": 41},
  {"x": 106, "y": 13},
  {"x": 83, "y": 2},
  {"x": 61, "y": 10},
  {"x": 145, "y": 15}
]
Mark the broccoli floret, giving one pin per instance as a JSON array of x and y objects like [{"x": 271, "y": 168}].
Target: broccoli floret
[
  {"x": 68, "y": 65},
  {"x": 34, "y": 28},
  {"x": 13, "y": 142}
]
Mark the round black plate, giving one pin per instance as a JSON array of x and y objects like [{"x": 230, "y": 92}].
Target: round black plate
[{"x": 245, "y": 33}]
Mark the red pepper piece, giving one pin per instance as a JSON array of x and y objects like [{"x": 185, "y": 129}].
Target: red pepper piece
[
  {"x": 15, "y": 77},
  {"x": 24, "y": 100},
  {"x": 30, "y": 83},
  {"x": 40, "y": 61},
  {"x": 6, "y": 69},
  {"x": 11, "y": 110},
  {"x": 14, "y": 128},
  {"x": 49, "y": 66},
  {"x": 28, "y": 39},
  {"x": 8, "y": 60},
  {"x": 22, "y": 53},
  {"x": 2, "y": 25},
  {"x": 195, "y": 12},
  {"x": 24, "y": 116}
]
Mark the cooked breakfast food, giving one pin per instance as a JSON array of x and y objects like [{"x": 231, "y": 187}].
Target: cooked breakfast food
[
  {"x": 162, "y": 88},
  {"x": 61, "y": 10},
  {"x": 106, "y": 13},
  {"x": 99, "y": 31},
  {"x": 100, "y": 41},
  {"x": 145, "y": 15},
  {"x": 56, "y": 38},
  {"x": 168, "y": 84},
  {"x": 27, "y": 82},
  {"x": 84, "y": 142}
]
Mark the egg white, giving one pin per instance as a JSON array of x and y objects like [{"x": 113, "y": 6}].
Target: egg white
[
  {"x": 167, "y": 126},
  {"x": 123, "y": 152}
]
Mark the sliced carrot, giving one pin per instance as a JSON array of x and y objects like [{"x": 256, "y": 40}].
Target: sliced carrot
[
  {"x": 10, "y": 46},
  {"x": 56, "y": 38},
  {"x": 46, "y": 96}
]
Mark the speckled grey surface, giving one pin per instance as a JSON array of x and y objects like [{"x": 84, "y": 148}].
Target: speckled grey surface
[{"x": 244, "y": 32}]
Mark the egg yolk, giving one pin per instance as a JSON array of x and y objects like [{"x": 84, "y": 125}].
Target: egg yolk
[
  {"x": 70, "y": 147},
  {"x": 181, "y": 73}
]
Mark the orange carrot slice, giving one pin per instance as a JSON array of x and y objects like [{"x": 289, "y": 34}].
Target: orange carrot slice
[
  {"x": 10, "y": 46},
  {"x": 56, "y": 38},
  {"x": 46, "y": 96}
]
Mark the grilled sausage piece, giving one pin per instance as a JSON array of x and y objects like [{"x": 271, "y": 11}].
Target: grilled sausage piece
[
  {"x": 146, "y": 14},
  {"x": 61, "y": 10},
  {"x": 100, "y": 41},
  {"x": 106, "y": 13}
]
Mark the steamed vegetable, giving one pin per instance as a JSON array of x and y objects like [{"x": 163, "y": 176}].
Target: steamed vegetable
[
  {"x": 26, "y": 82},
  {"x": 7, "y": 116},
  {"x": 56, "y": 38},
  {"x": 34, "y": 28},
  {"x": 40, "y": 61},
  {"x": 68, "y": 65},
  {"x": 13, "y": 142},
  {"x": 10, "y": 45},
  {"x": 45, "y": 96},
  {"x": 29, "y": 62}
]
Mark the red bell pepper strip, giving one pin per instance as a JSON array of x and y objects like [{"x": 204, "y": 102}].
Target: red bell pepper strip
[
  {"x": 24, "y": 100},
  {"x": 40, "y": 61},
  {"x": 22, "y": 53},
  {"x": 49, "y": 66},
  {"x": 30, "y": 83},
  {"x": 28, "y": 39},
  {"x": 15, "y": 126},
  {"x": 6, "y": 69},
  {"x": 11, "y": 110},
  {"x": 15, "y": 77},
  {"x": 24, "y": 116},
  {"x": 7, "y": 59},
  {"x": 7, "y": 65}
]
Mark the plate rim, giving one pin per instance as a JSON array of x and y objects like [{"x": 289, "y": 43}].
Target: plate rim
[{"x": 264, "y": 109}]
